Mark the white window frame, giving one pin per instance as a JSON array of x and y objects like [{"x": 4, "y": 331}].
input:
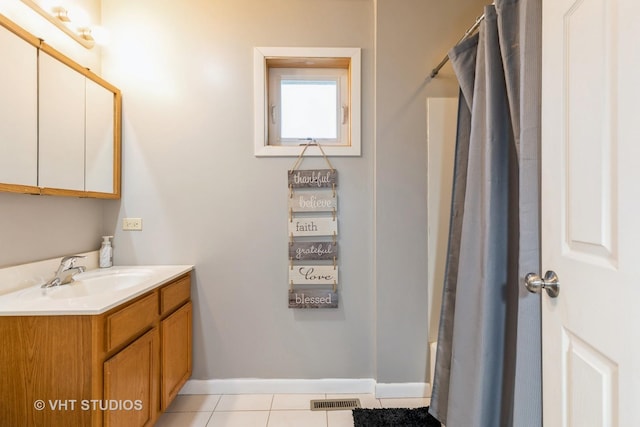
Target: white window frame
[
  {"x": 339, "y": 76},
  {"x": 350, "y": 141}
]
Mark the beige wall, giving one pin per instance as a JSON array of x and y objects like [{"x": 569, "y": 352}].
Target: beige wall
[{"x": 185, "y": 70}]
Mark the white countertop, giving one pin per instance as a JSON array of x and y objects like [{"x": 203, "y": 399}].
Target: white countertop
[{"x": 62, "y": 300}]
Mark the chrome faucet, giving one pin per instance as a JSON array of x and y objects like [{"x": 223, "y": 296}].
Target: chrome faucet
[{"x": 66, "y": 271}]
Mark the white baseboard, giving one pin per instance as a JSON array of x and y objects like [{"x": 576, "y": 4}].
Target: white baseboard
[
  {"x": 279, "y": 386},
  {"x": 318, "y": 386},
  {"x": 399, "y": 390}
]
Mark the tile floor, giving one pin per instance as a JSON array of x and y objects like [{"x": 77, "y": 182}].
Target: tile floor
[{"x": 268, "y": 410}]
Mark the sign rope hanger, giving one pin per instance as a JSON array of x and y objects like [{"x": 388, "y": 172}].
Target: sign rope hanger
[{"x": 311, "y": 142}]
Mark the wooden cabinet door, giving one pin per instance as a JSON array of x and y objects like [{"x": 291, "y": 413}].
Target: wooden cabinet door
[
  {"x": 131, "y": 380},
  {"x": 175, "y": 352}
]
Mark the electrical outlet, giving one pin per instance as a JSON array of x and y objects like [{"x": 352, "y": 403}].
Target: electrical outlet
[{"x": 132, "y": 224}]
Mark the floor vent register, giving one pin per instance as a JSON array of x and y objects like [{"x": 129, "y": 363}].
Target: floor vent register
[{"x": 334, "y": 404}]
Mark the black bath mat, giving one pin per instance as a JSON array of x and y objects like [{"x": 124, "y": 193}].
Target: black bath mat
[{"x": 394, "y": 417}]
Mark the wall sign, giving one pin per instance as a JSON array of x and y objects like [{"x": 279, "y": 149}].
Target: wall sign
[
  {"x": 314, "y": 201},
  {"x": 315, "y": 178},
  {"x": 313, "y": 298},
  {"x": 313, "y": 212},
  {"x": 313, "y": 275},
  {"x": 316, "y": 251},
  {"x": 313, "y": 226}
]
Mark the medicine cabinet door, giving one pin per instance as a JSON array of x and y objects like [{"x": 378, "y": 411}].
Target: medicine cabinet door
[
  {"x": 99, "y": 143},
  {"x": 18, "y": 112},
  {"x": 61, "y": 125}
]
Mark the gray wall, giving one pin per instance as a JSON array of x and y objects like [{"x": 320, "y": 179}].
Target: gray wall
[
  {"x": 34, "y": 228},
  {"x": 412, "y": 38},
  {"x": 185, "y": 70},
  {"x": 190, "y": 173}
]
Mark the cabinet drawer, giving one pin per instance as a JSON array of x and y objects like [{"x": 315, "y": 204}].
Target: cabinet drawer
[
  {"x": 126, "y": 323},
  {"x": 175, "y": 294}
]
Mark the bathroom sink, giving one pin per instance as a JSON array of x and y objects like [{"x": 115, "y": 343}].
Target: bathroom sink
[
  {"x": 116, "y": 274},
  {"x": 91, "y": 292},
  {"x": 98, "y": 282},
  {"x": 92, "y": 283}
]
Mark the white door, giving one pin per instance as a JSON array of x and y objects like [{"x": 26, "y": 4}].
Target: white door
[{"x": 591, "y": 212}]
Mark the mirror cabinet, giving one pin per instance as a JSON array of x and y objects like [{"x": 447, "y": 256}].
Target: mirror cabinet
[{"x": 60, "y": 124}]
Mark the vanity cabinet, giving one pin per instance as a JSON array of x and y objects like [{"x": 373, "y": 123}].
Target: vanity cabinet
[
  {"x": 61, "y": 134},
  {"x": 119, "y": 368}
]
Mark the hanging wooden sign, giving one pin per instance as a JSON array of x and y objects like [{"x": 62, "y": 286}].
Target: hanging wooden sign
[
  {"x": 313, "y": 201},
  {"x": 319, "y": 178},
  {"x": 313, "y": 226},
  {"x": 312, "y": 208},
  {"x": 313, "y": 275},
  {"x": 305, "y": 251},
  {"x": 313, "y": 298}
]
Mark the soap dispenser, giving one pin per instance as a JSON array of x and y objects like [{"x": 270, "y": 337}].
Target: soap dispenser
[{"x": 106, "y": 252}]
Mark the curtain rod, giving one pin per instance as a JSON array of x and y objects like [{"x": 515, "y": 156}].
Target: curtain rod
[{"x": 469, "y": 32}]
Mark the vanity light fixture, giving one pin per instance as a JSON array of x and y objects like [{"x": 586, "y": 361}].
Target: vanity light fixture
[
  {"x": 85, "y": 33},
  {"x": 61, "y": 13},
  {"x": 59, "y": 16}
]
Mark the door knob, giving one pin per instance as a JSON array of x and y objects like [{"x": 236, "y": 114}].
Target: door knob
[{"x": 550, "y": 283}]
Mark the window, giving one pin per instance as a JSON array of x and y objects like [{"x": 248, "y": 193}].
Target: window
[
  {"x": 308, "y": 103},
  {"x": 307, "y": 93}
]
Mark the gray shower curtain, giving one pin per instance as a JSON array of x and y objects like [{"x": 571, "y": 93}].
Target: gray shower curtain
[{"x": 488, "y": 365}]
